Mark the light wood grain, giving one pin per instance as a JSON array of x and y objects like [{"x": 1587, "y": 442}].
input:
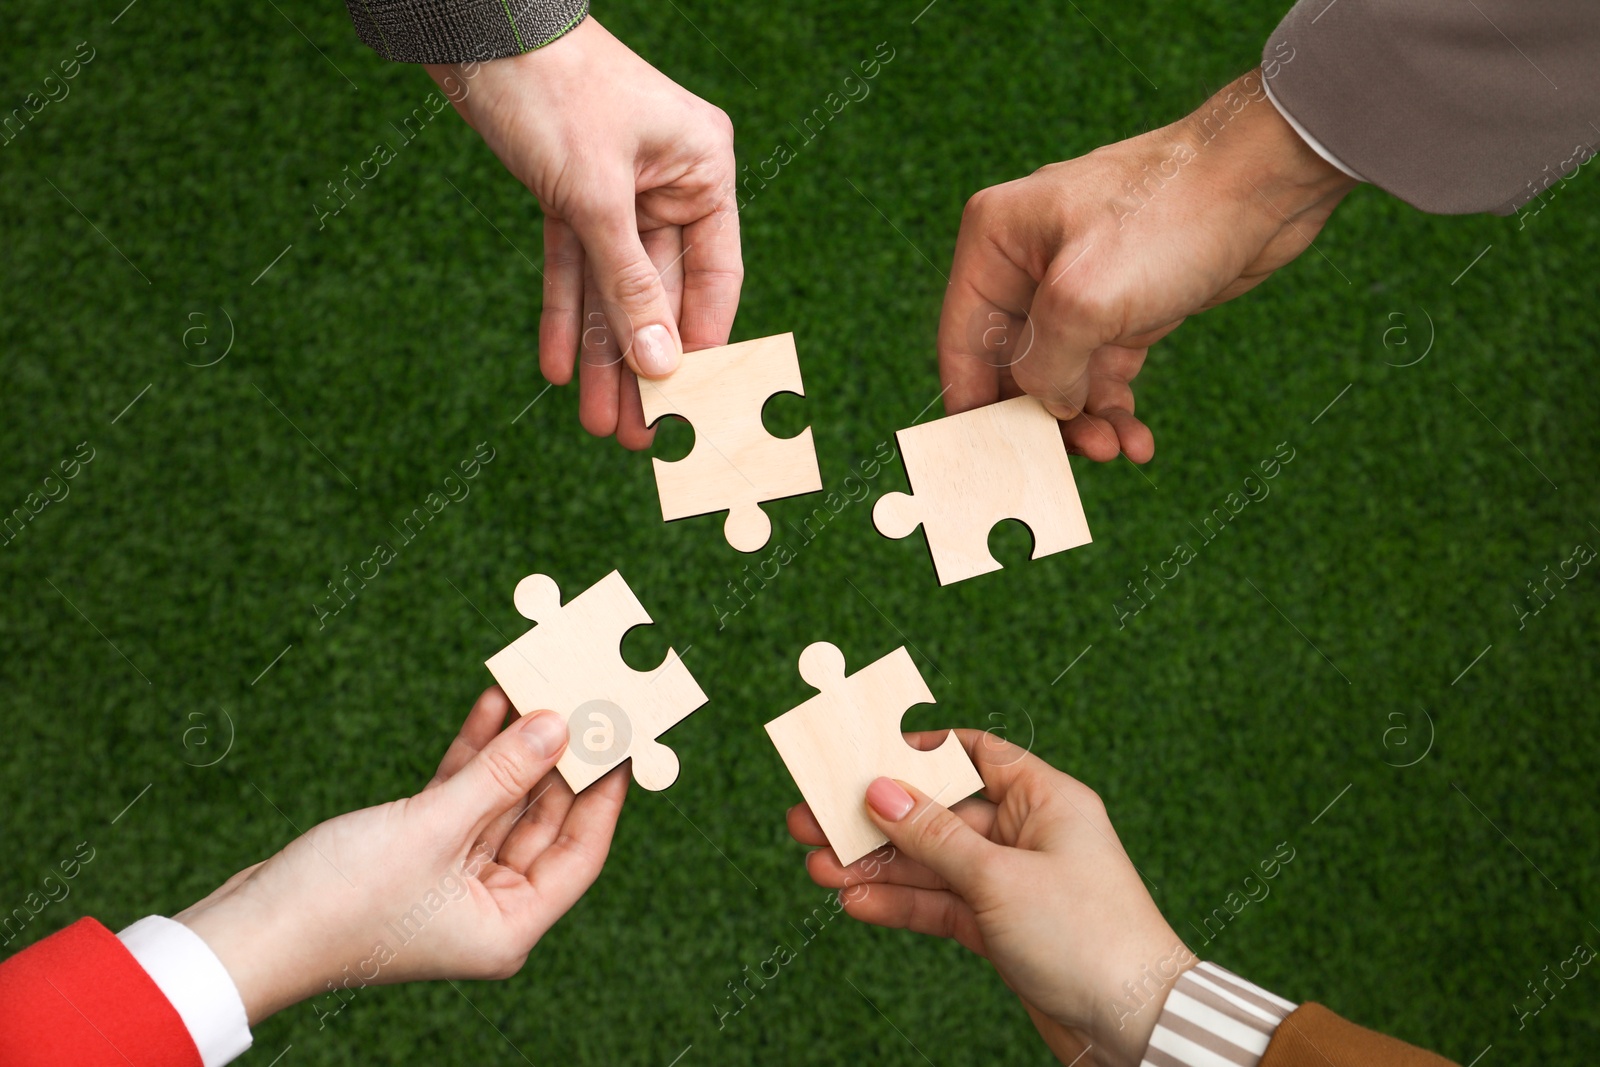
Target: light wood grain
[
  {"x": 970, "y": 471},
  {"x": 571, "y": 663},
  {"x": 735, "y": 463},
  {"x": 837, "y": 742}
]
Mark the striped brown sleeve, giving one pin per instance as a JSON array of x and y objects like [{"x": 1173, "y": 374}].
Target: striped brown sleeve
[{"x": 1214, "y": 1018}]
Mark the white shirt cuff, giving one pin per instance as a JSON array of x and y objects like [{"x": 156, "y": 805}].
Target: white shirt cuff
[
  {"x": 1212, "y": 1016},
  {"x": 1312, "y": 142},
  {"x": 189, "y": 975}
]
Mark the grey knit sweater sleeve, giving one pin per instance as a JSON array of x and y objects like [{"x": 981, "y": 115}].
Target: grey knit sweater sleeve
[
  {"x": 1454, "y": 106},
  {"x": 460, "y": 31}
]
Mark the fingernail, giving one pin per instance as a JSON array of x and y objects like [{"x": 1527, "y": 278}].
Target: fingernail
[
  {"x": 1062, "y": 412},
  {"x": 545, "y": 733},
  {"x": 887, "y": 798},
  {"x": 654, "y": 351}
]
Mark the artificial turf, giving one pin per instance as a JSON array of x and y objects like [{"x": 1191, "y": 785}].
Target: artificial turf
[{"x": 1294, "y": 662}]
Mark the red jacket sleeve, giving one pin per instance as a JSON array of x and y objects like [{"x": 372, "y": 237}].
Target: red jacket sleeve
[{"x": 79, "y": 999}]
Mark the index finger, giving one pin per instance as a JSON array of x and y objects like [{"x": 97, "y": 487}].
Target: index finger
[
  {"x": 484, "y": 722},
  {"x": 983, "y": 324}
]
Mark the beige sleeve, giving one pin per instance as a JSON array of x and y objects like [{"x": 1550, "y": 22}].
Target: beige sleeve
[{"x": 1454, "y": 106}]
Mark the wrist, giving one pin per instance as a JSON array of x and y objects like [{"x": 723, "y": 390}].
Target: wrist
[
  {"x": 562, "y": 62},
  {"x": 262, "y": 946},
  {"x": 1129, "y": 1008},
  {"x": 1262, "y": 159}
]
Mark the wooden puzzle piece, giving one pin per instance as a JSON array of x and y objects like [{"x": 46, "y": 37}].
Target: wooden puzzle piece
[
  {"x": 735, "y": 463},
  {"x": 969, "y": 471},
  {"x": 571, "y": 663},
  {"x": 837, "y": 742}
]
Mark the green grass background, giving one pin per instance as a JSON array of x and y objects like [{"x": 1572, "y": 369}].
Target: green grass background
[{"x": 1397, "y": 541}]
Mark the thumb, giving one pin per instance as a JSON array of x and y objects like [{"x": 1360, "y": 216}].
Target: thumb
[
  {"x": 929, "y": 833},
  {"x": 505, "y": 771},
  {"x": 631, "y": 290}
]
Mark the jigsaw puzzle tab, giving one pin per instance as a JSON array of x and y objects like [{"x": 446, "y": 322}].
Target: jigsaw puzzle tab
[
  {"x": 837, "y": 742},
  {"x": 972, "y": 470},
  {"x": 735, "y": 464},
  {"x": 571, "y": 663}
]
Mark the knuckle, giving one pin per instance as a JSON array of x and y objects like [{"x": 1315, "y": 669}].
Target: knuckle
[
  {"x": 940, "y": 830},
  {"x": 717, "y": 288},
  {"x": 1087, "y": 303},
  {"x": 722, "y": 123},
  {"x": 949, "y": 919},
  {"x": 562, "y": 249},
  {"x": 634, "y": 283},
  {"x": 1089, "y": 802},
  {"x": 561, "y": 256},
  {"x": 1094, "y": 801},
  {"x": 979, "y": 205},
  {"x": 505, "y": 771},
  {"x": 503, "y": 966},
  {"x": 729, "y": 274},
  {"x": 591, "y": 860}
]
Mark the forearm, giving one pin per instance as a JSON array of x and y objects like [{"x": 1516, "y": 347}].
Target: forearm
[{"x": 1241, "y": 141}]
